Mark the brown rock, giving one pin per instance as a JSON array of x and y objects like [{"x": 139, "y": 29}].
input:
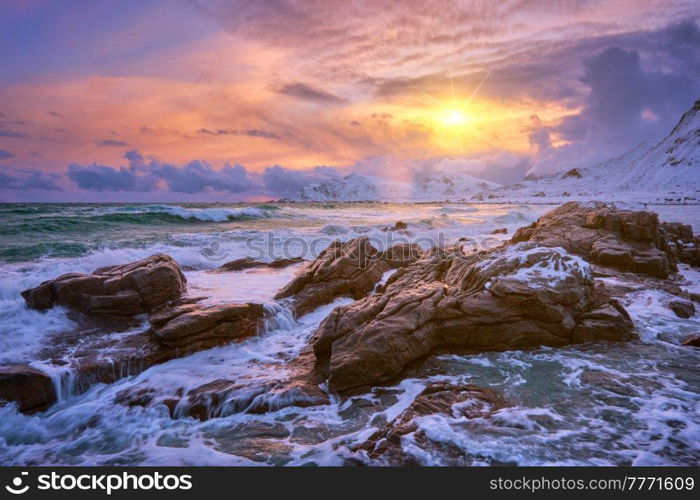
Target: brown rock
[
  {"x": 682, "y": 308},
  {"x": 30, "y": 388},
  {"x": 453, "y": 401},
  {"x": 692, "y": 340},
  {"x": 402, "y": 254},
  {"x": 507, "y": 298},
  {"x": 400, "y": 225},
  {"x": 248, "y": 263},
  {"x": 124, "y": 290},
  {"x": 343, "y": 269},
  {"x": 684, "y": 246},
  {"x": 622, "y": 239},
  {"x": 192, "y": 325},
  {"x": 503, "y": 230},
  {"x": 222, "y": 397}
]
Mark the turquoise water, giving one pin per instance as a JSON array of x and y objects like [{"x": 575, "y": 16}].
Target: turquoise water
[{"x": 31, "y": 231}]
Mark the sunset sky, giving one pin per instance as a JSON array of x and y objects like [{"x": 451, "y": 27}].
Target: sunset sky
[{"x": 222, "y": 100}]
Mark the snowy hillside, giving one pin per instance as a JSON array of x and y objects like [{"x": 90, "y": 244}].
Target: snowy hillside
[
  {"x": 665, "y": 170},
  {"x": 436, "y": 186}
]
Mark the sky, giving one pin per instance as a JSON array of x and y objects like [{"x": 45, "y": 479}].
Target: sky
[{"x": 214, "y": 100}]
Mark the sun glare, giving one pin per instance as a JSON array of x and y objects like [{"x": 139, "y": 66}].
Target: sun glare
[{"x": 454, "y": 118}]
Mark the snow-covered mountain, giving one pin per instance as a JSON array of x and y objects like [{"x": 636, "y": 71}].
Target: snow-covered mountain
[
  {"x": 660, "y": 170},
  {"x": 436, "y": 186}
]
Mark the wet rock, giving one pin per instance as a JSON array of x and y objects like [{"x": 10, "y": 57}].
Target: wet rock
[
  {"x": 692, "y": 340},
  {"x": 31, "y": 389},
  {"x": 124, "y": 290},
  {"x": 400, "y": 225},
  {"x": 452, "y": 401},
  {"x": 222, "y": 397},
  {"x": 622, "y": 239},
  {"x": 684, "y": 246},
  {"x": 502, "y": 230},
  {"x": 343, "y": 269},
  {"x": 540, "y": 194},
  {"x": 402, "y": 254},
  {"x": 682, "y": 308},
  {"x": 106, "y": 350},
  {"x": 206, "y": 326},
  {"x": 515, "y": 297},
  {"x": 248, "y": 263}
]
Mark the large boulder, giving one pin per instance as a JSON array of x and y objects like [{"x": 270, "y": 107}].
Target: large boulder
[
  {"x": 124, "y": 290},
  {"x": 191, "y": 325},
  {"x": 512, "y": 297},
  {"x": 349, "y": 268},
  {"x": 31, "y": 389},
  {"x": 623, "y": 239}
]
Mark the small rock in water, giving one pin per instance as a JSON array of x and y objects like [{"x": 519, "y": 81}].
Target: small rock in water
[
  {"x": 682, "y": 308},
  {"x": 502, "y": 230},
  {"x": 692, "y": 340},
  {"x": 30, "y": 388}
]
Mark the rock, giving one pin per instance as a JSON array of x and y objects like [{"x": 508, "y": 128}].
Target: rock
[
  {"x": 30, "y": 388},
  {"x": 676, "y": 231},
  {"x": 503, "y": 230},
  {"x": 622, "y": 239},
  {"x": 400, "y": 225},
  {"x": 682, "y": 308},
  {"x": 343, "y": 269},
  {"x": 692, "y": 340},
  {"x": 684, "y": 246},
  {"x": 193, "y": 325},
  {"x": 453, "y": 401},
  {"x": 125, "y": 290},
  {"x": 574, "y": 173},
  {"x": 300, "y": 387},
  {"x": 248, "y": 263},
  {"x": 540, "y": 194},
  {"x": 107, "y": 349},
  {"x": 402, "y": 254},
  {"x": 516, "y": 297},
  {"x": 221, "y": 398}
]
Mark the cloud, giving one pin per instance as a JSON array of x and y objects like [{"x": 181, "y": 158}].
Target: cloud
[
  {"x": 4, "y": 155},
  {"x": 13, "y": 134},
  {"x": 307, "y": 93},
  {"x": 631, "y": 97},
  {"x": 199, "y": 176},
  {"x": 111, "y": 143},
  {"x": 105, "y": 178},
  {"x": 283, "y": 181},
  {"x": 250, "y": 132},
  {"x": 23, "y": 179},
  {"x": 149, "y": 174}
]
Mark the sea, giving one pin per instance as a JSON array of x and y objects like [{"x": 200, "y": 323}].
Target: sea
[{"x": 632, "y": 403}]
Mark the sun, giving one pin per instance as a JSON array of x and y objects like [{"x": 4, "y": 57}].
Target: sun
[{"x": 453, "y": 118}]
